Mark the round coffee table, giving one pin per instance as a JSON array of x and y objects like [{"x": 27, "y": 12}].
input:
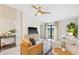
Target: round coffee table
[{"x": 59, "y": 51}]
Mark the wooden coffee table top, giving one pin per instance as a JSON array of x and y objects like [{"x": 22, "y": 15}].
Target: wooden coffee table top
[{"x": 59, "y": 51}]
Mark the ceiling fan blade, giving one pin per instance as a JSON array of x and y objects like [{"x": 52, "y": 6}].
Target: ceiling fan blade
[
  {"x": 34, "y": 7},
  {"x": 37, "y": 13},
  {"x": 39, "y": 10},
  {"x": 46, "y": 13}
]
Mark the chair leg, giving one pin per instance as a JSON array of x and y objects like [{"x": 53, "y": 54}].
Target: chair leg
[
  {"x": 41, "y": 52},
  {"x": 21, "y": 53}
]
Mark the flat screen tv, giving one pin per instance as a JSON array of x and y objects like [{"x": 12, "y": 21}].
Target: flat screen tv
[{"x": 32, "y": 30}]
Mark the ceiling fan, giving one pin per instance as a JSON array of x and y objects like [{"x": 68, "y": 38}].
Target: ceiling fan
[{"x": 39, "y": 10}]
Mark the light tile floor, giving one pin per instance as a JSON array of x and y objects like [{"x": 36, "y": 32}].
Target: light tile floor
[
  {"x": 16, "y": 50},
  {"x": 11, "y": 51}
]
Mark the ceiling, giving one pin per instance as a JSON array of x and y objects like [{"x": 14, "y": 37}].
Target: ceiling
[{"x": 59, "y": 11}]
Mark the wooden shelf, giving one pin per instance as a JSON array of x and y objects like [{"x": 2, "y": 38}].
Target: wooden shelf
[{"x": 4, "y": 47}]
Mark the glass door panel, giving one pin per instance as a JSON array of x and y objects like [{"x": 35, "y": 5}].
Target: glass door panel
[{"x": 50, "y": 31}]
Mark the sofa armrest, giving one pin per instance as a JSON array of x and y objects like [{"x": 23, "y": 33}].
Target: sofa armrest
[
  {"x": 36, "y": 49},
  {"x": 23, "y": 49}
]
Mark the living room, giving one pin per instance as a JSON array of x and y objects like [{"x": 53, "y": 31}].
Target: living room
[
  {"x": 62, "y": 15},
  {"x": 48, "y": 30}
]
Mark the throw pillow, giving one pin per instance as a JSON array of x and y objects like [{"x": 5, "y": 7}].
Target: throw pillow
[{"x": 32, "y": 41}]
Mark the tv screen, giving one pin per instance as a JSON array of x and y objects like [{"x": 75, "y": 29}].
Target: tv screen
[{"x": 32, "y": 30}]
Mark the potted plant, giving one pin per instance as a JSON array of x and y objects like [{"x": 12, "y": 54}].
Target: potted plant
[{"x": 72, "y": 28}]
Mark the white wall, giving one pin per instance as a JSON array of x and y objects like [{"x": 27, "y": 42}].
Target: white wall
[
  {"x": 78, "y": 27},
  {"x": 7, "y": 24},
  {"x": 18, "y": 27},
  {"x": 7, "y": 18},
  {"x": 30, "y": 22}
]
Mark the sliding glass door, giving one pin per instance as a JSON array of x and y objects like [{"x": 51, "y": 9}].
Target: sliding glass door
[{"x": 50, "y": 31}]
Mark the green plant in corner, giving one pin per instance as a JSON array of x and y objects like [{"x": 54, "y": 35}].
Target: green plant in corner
[{"x": 72, "y": 28}]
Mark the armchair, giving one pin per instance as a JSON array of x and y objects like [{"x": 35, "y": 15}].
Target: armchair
[{"x": 26, "y": 48}]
